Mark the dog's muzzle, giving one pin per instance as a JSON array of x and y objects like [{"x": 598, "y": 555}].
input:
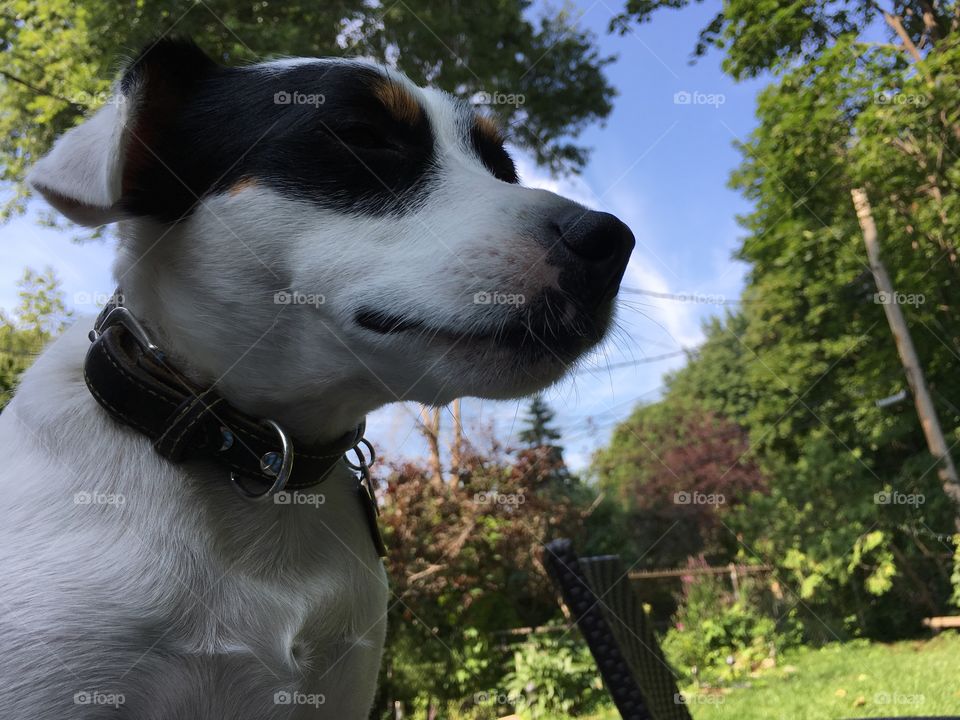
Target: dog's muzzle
[{"x": 129, "y": 376}]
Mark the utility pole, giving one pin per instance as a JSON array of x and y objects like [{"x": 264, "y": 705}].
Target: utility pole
[{"x": 936, "y": 442}]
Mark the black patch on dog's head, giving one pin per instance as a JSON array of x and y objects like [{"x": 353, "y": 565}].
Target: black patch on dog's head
[
  {"x": 333, "y": 133},
  {"x": 487, "y": 142}
]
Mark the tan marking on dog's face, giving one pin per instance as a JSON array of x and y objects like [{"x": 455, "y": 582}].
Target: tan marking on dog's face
[
  {"x": 488, "y": 127},
  {"x": 399, "y": 101},
  {"x": 246, "y": 183}
]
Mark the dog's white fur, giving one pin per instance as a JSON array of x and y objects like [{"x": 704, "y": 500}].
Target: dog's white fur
[
  {"x": 168, "y": 590},
  {"x": 185, "y": 601}
]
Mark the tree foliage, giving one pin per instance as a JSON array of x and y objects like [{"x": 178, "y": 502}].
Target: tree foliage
[
  {"x": 538, "y": 428},
  {"x": 39, "y": 316},
  {"x": 677, "y": 472},
  {"x": 465, "y": 569},
  {"x": 769, "y": 35},
  {"x": 864, "y": 94},
  {"x": 58, "y": 59}
]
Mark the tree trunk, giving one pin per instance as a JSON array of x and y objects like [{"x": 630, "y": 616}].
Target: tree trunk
[
  {"x": 430, "y": 427},
  {"x": 456, "y": 447},
  {"x": 896, "y": 23},
  {"x": 930, "y": 21},
  {"x": 936, "y": 442}
]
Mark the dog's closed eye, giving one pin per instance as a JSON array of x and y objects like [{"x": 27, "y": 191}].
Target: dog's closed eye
[
  {"x": 366, "y": 137},
  {"x": 487, "y": 141}
]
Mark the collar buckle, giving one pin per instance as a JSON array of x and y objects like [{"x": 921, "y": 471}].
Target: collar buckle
[{"x": 116, "y": 314}]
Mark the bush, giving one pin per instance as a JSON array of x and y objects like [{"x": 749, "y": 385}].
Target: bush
[
  {"x": 554, "y": 676},
  {"x": 716, "y": 639},
  {"x": 467, "y": 568}
]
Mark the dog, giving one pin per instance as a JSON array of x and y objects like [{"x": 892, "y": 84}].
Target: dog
[{"x": 301, "y": 241}]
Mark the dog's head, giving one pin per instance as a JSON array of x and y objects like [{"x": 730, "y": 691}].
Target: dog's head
[{"x": 306, "y": 227}]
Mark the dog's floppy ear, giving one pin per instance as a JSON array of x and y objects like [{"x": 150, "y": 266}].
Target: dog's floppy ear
[{"x": 87, "y": 172}]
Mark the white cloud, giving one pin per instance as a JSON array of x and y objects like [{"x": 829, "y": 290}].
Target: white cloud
[{"x": 573, "y": 187}]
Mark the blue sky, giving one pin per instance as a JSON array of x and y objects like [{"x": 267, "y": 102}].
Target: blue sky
[{"x": 660, "y": 165}]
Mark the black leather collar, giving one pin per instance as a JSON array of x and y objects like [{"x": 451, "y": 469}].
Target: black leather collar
[{"x": 131, "y": 379}]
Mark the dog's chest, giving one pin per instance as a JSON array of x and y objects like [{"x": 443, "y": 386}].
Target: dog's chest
[
  {"x": 262, "y": 630},
  {"x": 282, "y": 593}
]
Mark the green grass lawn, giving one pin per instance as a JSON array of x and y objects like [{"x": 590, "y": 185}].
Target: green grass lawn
[{"x": 855, "y": 680}]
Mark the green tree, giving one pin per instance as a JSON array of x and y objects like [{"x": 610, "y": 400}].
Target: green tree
[
  {"x": 863, "y": 94},
  {"x": 40, "y": 315},
  {"x": 543, "y": 442},
  {"x": 58, "y": 59},
  {"x": 678, "y": 469},
  {"x": 539, "y": 431}
]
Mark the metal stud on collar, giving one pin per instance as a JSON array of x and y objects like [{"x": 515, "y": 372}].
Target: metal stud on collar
[{"x": 269, "y": 466}]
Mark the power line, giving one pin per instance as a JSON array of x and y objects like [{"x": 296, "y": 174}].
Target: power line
[
  {"x": 641, "y": 361},
  {"x": 642, "y": 340},
  {"x": 692, "y": 297}
]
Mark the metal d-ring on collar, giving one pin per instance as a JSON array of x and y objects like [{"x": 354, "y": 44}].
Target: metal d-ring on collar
[
  {"x": 363, "y": 464},
  {"x": 363, "y": 467},
  {"x": 267, "y": 465}
]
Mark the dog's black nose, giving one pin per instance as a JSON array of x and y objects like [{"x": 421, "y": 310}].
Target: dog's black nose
[{"x": 603, "y": 245}]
